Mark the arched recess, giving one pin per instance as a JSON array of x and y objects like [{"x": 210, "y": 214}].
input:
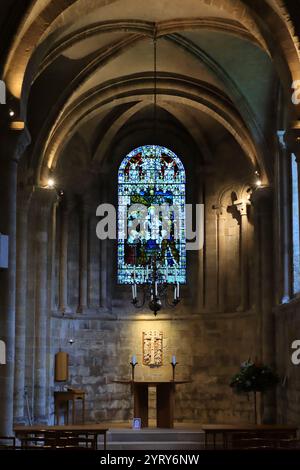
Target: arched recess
[{"x": 229, "y": 239}]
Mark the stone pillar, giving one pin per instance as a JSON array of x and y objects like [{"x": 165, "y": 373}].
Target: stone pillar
[
  {"x": 292, "y": 141},
  {"x": 63, "y": 259},
  {"x": 284, "y": 222},
  {"x": 12, "y": 147},
  {"x": 244, "y": 269},
  {"x": 43, "y": 200},
  {"x": 221, "y": 222},
  {"x": 54, "y": 282},
  {"x": 83, "y": 258},
  {"x": 24, "y": 198},
  {"x": 262, "y": 199}
]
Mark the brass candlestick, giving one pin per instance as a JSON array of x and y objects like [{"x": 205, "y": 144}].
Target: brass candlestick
[
  {"x": 132, "y": 369},
  {"x": 173, "y": 370}
]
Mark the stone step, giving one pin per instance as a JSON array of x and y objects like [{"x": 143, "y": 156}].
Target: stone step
[
  {"x": 165, "y": 445},
  {"x": 155, "y": 435}
]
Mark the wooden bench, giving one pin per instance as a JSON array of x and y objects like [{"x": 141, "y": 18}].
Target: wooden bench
[
  {"x": 61, "y": 436},
  {"x": 231, "y": 435}
]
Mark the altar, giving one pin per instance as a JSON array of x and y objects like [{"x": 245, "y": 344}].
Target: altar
[{"x": 165, "y": 400}]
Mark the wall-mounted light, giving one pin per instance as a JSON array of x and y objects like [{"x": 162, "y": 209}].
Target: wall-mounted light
[
  {"x": 258, "y": 181},
  {"x": 51, "y": 183},
  {"x": 11, "y": 113}
]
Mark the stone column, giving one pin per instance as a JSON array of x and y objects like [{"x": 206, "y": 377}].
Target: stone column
[
  {"x": 43, "y": 200},
  {"x": 12, "y": 147},
  {"x": 244, "y": 295},
  {"x": 284, "y": 222},
  {"x": 24, "y": 198},
  {"x": 83, "y": 258},
  {"x": 54, "y": 282},
  {"x": 292, "y": 140},
  {"x": 221, "y": 221},
  {"x": 262, "y": 199},
  {"x": 63, "y": 260}
]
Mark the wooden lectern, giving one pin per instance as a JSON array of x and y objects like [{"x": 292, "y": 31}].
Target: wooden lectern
[
  {"x": 64, "y": 397},
  {"x": 165, "y": 400}
]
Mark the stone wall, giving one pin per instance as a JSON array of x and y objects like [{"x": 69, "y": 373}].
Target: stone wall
[
  {"x": 208, "y": 349},
  {"x": 211, "y": 332}
]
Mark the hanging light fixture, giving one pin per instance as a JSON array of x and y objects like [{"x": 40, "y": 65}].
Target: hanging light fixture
[{"x": 155, "y": 286}]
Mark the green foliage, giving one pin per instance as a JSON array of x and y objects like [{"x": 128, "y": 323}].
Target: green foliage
[{"x": 254, "y": 377}]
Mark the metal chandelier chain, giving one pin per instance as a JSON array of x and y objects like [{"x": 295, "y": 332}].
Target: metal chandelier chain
[{"x": 155, "y": 80}]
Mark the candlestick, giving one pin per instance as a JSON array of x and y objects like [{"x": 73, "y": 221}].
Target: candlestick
[
  {"x": 133, "y": 363},
  {"x": 173, "y": 364}
]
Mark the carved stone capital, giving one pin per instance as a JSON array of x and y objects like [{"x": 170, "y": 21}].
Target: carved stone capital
[{"x": 241, "y": 206}]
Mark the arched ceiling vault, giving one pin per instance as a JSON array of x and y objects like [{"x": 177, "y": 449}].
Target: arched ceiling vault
[
  {"x": 174, "y": 89},
  {"x": 219, "y": 58}
]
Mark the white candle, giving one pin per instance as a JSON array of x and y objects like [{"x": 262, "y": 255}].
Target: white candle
[
  {"x": 174, "y": 360},
  {"x": 133, "y": 291},
  {"x": 156, "y": 289},
  {"x": 133, "y": 360},
  {"x": 175, "y": 293}
]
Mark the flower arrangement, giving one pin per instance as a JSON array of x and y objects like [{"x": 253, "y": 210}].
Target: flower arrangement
[{"x": 254, "y": 377}]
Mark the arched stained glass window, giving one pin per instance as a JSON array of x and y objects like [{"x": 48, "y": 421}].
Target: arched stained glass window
[{"x": 153, "y": 177}]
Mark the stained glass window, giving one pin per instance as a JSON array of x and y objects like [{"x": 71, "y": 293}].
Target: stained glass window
[{"x": 151, "y": 188}]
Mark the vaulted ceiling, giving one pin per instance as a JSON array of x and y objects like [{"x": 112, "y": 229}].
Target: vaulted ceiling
[{"x": 86, "y": 68}]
